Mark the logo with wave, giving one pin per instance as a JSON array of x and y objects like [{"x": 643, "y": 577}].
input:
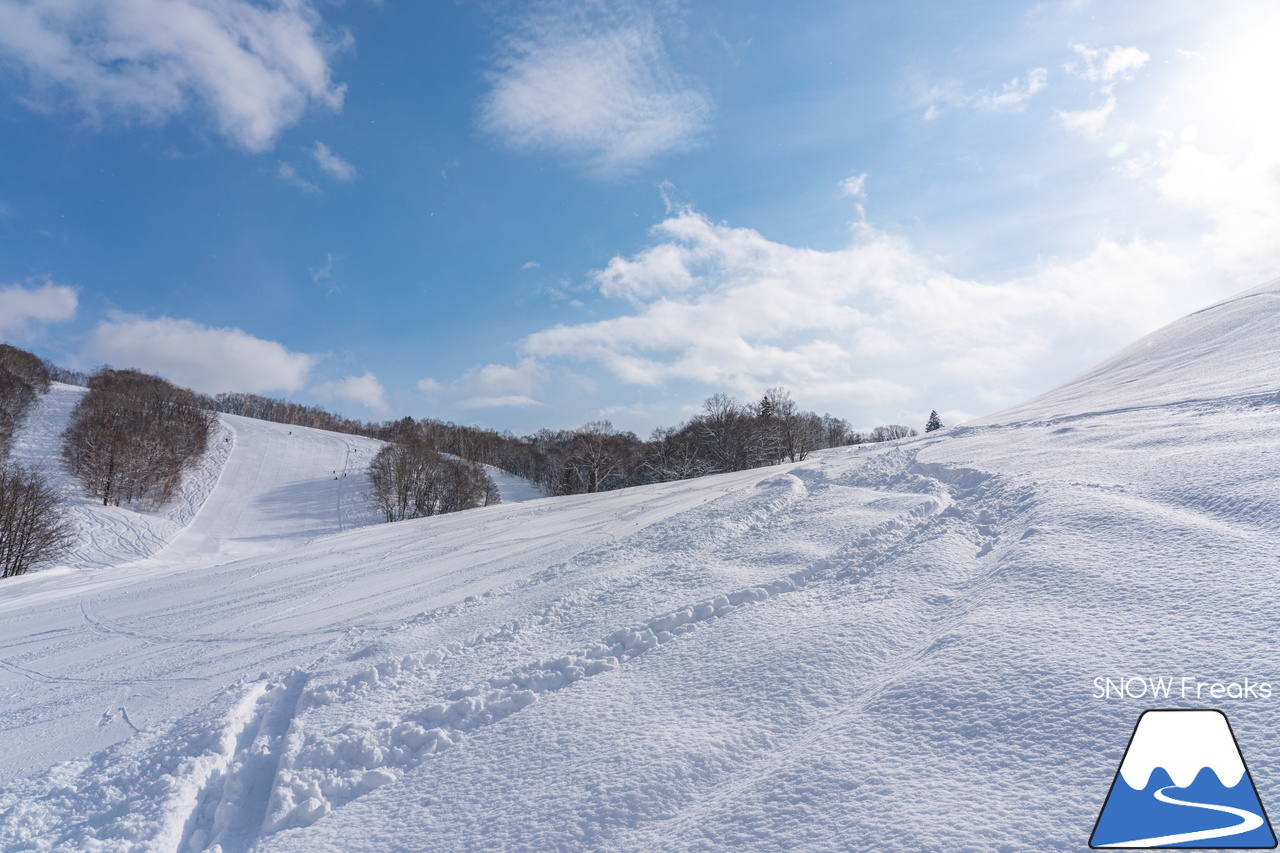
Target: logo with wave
[{"x": 1183, "y": 783}]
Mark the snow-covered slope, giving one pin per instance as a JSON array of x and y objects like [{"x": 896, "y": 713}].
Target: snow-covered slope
[
  {"x": 1225, "y": 350},
  {"x": 262, "y": 487},
  {"x": 882, "y": 648}
]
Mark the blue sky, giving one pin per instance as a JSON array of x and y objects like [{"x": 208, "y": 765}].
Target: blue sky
[{"x": 543, "y": 213}]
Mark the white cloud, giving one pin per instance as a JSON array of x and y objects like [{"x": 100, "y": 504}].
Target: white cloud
[
  {"x": 530, "y": 265},
  {"x": 1104, "y": 65},
  {"x": 253, "y": 68},
  {"x": 1014, "y": 94},
  {"x": 854, "y": 186},
  {"x": 508, "y": 400},
  {"x": 289, "y": 175},
  {"x": 728, "y": 308},
  {"x": 365, "y": 390},
  {"x": 1088, "y": 123},
  {"x": 24, "y": 308},
  {"x": 206, "y": 359},
  {"x": 877, "y": 326},
  {"x": 1011, "y": 97},
  {"x": 334, "y": 165},
  {"x": 491, "y": 385},
  {"x": 326, "y": 271},
  {"x": 593, "y": 82}
]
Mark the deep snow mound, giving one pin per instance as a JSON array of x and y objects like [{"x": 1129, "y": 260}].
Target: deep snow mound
[{"x": 1230, "y": 349}]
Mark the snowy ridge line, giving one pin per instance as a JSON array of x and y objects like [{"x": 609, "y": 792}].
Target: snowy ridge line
[
  {"x": 1206, "y": 404},
  {"x": 321, "y": 773},
  {"x": 1253, "y": 293}
]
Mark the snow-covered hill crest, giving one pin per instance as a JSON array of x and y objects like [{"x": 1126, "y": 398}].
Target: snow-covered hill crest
[{"x": 1225, "y": 350}]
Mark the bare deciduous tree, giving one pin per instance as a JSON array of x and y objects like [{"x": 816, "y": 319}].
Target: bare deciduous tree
[
  {"x": 34, "y": 528},
  {"x": 892, "y": 432},
  {"x": 23, "y": 377},
  {"x": 132, "y": 436},
  {"x": 410, "y": 480}
]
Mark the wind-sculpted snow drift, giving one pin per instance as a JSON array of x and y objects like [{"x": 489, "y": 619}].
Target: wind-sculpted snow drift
[{"x": 882, "y": 648}]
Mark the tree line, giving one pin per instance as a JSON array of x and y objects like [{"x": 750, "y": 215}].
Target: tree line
[
  {"x": 284, "y": 412},
  {"x": 23, "y": 377},
  {"x": 133, "y": 435},
  {"x": 726, "y": 435}
]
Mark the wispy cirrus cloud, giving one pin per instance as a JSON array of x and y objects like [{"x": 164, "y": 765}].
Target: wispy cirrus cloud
[
  {"x": 1104, "y": 67},
  {"x": 1014, "y": 94},
  {"x": 252, "y": 68},
  {"x": 1010, "y": 97},
  {"x": 333, "y": 165},
  {"x": 854, "y": 186},
  {"x": 593, "y": 82},
  {"x": 1088, "y": 123},
  {"x": 197, "y": 356},
  {"x": 290, "y": 175},
  {"x": 1106, "y": 64}
]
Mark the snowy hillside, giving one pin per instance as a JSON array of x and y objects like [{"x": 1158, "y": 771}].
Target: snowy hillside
[
  {"x": 882, "y": 648},
  {"x": 262, "y": 487}
]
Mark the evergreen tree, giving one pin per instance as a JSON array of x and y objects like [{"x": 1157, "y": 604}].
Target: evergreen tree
[{"x": 935, "y": 422}]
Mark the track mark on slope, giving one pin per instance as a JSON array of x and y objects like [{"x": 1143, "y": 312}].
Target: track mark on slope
[
  {"x": 42, "y": 678},
  {"x": 177, "y": 783},
  {"x": 228, "y": 810},
  {"x": 983, "y": 503},
  {"x": 321, "y": 772}
]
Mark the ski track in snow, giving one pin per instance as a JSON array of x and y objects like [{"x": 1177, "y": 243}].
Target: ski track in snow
[
  {"x": 880, "y": 648},
  {"x": 269, "y": 772}
]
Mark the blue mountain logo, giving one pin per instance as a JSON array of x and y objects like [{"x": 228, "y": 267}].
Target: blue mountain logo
[{"x": 1183, "y": 783}]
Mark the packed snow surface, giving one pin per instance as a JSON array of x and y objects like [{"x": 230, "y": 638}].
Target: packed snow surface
[{"x": 887, "y": 647}]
